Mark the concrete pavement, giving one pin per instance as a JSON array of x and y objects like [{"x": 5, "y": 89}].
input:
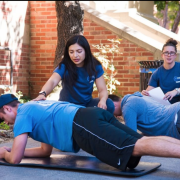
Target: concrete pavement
[{"x": 169, "y": 170}]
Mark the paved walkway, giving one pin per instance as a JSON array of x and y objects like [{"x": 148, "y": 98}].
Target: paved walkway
[{"x": 169, "y": 170}]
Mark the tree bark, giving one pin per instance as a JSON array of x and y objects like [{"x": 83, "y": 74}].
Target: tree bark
[
  {"x": 165, "y": 17},
  {"x": 70, "y": 22},
  {"x": 176, "y": 21}
]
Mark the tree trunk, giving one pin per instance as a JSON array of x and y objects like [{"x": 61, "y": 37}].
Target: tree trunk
[
  {"x": 165, "y": 18},
  {"x": 176, "y": 21},
  {"x": 70, "y": 22}
]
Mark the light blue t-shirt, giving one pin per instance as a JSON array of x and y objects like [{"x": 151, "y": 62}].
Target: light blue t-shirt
[
  {"x": 49, "y": 122},
  {"x": 168, "y": 80},
  {"x": 149, "y": 116},
  {"x": 81, "y": 93}
]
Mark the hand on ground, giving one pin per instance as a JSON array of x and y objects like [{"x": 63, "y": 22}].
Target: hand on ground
[{"x": 2, "y": 152}]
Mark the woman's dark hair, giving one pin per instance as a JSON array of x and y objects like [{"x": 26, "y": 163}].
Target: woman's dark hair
[
  {"x": 90, "y": 61},
  {"x": 170, "y": 42}
]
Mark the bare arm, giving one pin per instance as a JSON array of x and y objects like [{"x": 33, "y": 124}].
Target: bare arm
[
  {"x": 169, "y": 95},
  {"x": 49, "y": 86},
  {"x": 145, "y": 92},
  {"x": 17, "y": 152},
  {"x": 43, "y": 151},
  {"x": 103, "y": 93}
]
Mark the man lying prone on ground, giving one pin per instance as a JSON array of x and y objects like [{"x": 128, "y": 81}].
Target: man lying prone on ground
[
  {"x": 69, "y": 127},
  {"x": 148, "y": 115}
]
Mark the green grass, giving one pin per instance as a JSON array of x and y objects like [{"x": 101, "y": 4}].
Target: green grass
[{"x": 4, "y": 126}]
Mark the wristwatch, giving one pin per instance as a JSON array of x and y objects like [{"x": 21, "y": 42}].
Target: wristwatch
[
  {"x": 43, "y": 92},
  {"x": 178, "y": 91}
]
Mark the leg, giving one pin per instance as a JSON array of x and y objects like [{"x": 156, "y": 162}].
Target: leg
[
  {"x": 109, "y": 103},
  {"x": 170, "y": 139},
  {"x": 156, "y": 146},
  {"x": 94, "y": 132}
]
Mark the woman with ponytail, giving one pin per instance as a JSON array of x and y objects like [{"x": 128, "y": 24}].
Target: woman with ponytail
[{"x": 167, "y": 76}]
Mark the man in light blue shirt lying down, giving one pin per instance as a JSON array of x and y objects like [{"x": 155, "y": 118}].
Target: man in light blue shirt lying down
[
  {"x": 69, "y": 127},
  {"x": 147, "y": 115}
]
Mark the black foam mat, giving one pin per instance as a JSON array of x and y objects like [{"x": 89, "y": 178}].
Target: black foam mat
[{"x": 83, "y": 163}]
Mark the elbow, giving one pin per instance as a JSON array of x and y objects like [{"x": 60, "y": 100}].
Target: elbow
[
  {"x": 46, "y": 154},
  {"x": 15, "y": 161}
]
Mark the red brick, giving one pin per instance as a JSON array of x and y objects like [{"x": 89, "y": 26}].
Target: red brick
[
  {"x": 89, "y": 37},
  {"x": 99, "y": 28},
  {"x": 150, "y": 58},
  {"x": 86, "y": 33},
  {"x": 94, "y": 41},
  {"x": 147, "y": 54},
  {"x": 51, "y": 17},
  {"x": 40, "y": 42},
  {"x": 45, "y": 21},
  {"x": 40, "y": 26},
  {"x": 45, "y": 38},
  {"x": 106, "y": 32},
  {"x": 45, "y": 13},
  {"x": 35, "y": 21},
  {"x": 129, "y": 49},
  {"x": 135, "y": 54},
  {"x": 51, "y": 9},
  {"x": 45, "y": 4},
  {"x": 39, "y": 9},
  {"x": 140, "y": 49},
  {"x": 51, "y": 26},
  {"x": 40, "y": 34},
  {"x": 46, "y": 30}
]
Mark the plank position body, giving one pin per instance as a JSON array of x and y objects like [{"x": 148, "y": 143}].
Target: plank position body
[{"x": 69, "y": 127}]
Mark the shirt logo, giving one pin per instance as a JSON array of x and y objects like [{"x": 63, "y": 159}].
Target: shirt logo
[
  {"x": 92, "y": 79},
  {"x": 177, "y": 79},
  {"x": 119, "y": 163}
]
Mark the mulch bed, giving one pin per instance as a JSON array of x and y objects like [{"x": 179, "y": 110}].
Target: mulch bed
[{"x": 6, "y": 135}]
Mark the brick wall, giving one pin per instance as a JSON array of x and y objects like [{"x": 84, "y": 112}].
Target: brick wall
[
  {"x": 125, "y": 63},
  {"x": 43, "y": 42},
  {"x": 12, "y": 21},
  {"x": 4, "y": 73}
]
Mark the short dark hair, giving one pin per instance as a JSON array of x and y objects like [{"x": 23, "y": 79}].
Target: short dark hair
[
  {"x": 171, "y": 42},
  {"x": 114, "y": 97}
]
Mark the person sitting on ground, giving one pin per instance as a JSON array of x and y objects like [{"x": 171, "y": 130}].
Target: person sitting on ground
[
  {"x": 79, "y": 70},
  {"x": 147, "y": 115},
  {"x": 167, "y": 76},
  {"x": 69, "y": 127}
]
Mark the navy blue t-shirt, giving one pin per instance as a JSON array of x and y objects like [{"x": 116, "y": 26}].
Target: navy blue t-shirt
[
  {"x": 168, "y": 80},
  {"x": 81, "y": 93}
]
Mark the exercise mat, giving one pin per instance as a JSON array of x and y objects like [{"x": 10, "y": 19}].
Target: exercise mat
[{"x": 83, "y": 163}]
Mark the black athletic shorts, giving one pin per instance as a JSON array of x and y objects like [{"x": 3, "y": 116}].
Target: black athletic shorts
[{"x": 99, "y": 133}]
